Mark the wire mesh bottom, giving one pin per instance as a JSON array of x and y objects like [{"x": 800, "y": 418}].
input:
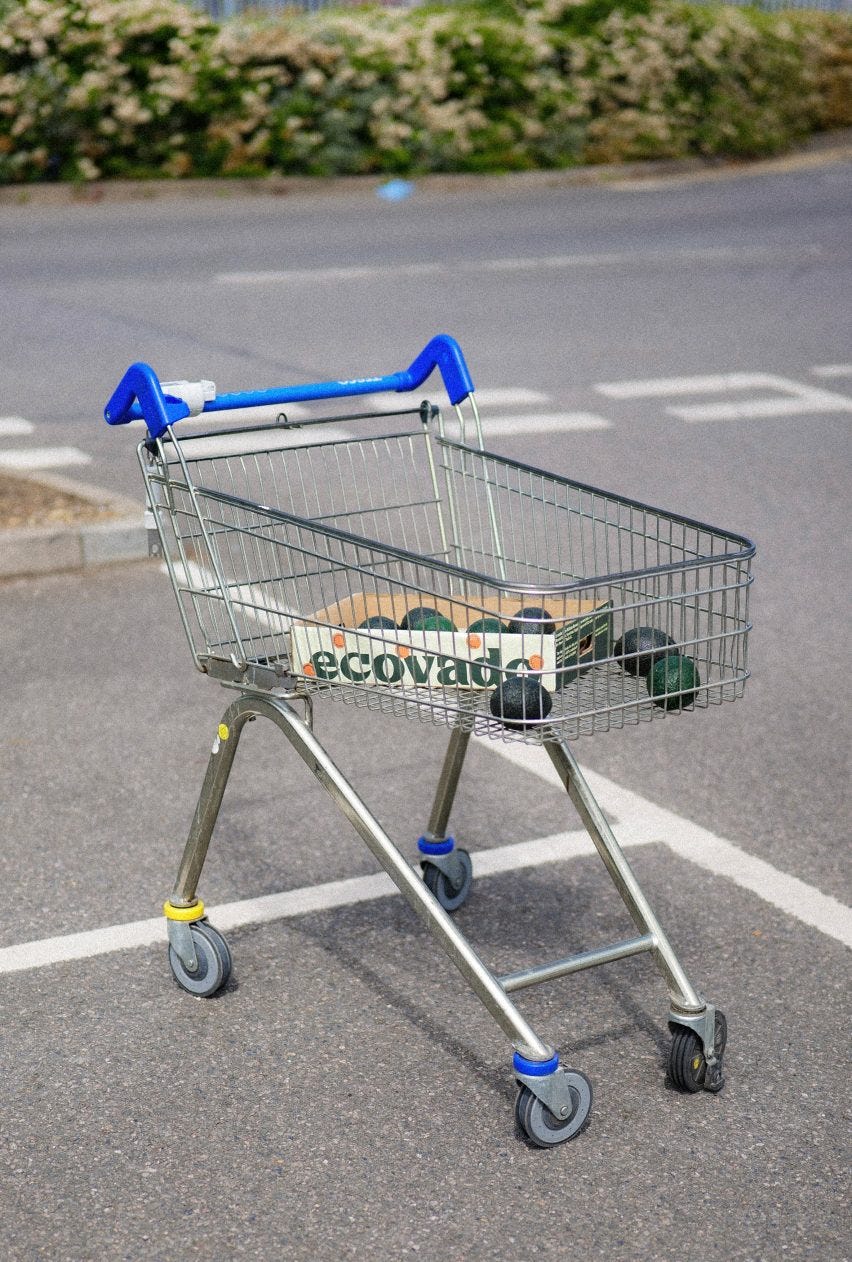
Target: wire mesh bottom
[{"x": 577, "y": 709}]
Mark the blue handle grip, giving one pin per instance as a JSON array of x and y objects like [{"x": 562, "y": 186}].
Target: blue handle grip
[{"x": 140, "y": 395}]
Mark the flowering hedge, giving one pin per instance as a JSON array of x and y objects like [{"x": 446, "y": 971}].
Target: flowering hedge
[{"x": 92, "y": 88}]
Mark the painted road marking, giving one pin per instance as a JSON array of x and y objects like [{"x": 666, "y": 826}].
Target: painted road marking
[
  {"x": 793, "y": 398},
  {"x": 640, "y": 823},
  {"x": 543, "y": 423},
  {"x": 42, "y": 457},
  {"x": 640, "y": 819},
  {"x": 266, "y": 415},
  {"x": 832, "y": 370},
  {"x": 254, "y": 601},
  {"x": 645, "y": 821},
  {"x": 547, "y": 263},
  {"x": 283, "y": 906},
  {"x": 14, "y": 426},
  {"x": 510, "y": 397}
]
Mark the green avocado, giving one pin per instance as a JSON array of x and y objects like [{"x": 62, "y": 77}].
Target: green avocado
[
  {"x": 673, "y": 681},
  {"x": 640, "y": 647},
  {"x": 433, "y": 622},
  {"x": 487, "y": 626},
  {"x": 519, "y": 701}
]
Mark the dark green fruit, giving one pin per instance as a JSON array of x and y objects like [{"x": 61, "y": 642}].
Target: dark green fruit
[
  {"x": 377, "y": 622},
  {"x": 414, "y": 617},
  {"x": 488, "y": 626},
  {"x": 641, "y": 647},
  {"x": 673, "y": 674},
  {"x": 532, "y": 620},
  {"x": 434, "y": 622},
  {"x": 519, "y": 701}
]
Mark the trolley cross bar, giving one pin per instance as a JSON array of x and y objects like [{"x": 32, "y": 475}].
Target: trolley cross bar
[{"x": 576, "y": 963}]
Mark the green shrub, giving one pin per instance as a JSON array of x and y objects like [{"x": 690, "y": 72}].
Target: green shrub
[
  {"x": 93, "y": 88},
  {"x": 90, "y": 88}
]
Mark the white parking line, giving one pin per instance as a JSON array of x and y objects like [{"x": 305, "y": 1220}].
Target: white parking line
[
  {"x": 543, "y": 423},
  {"x": 228, "y": 443},
  {"x": 832, "y": 370},
  {"x": 687, "y": 256},
  {"x": 658, "y": 387},
  {"x": 793, "y": 398},
  {"x": 42, "y": 457},
  {"x": 283, "y": 906},
  {"x": 640, "y": 822},
  {"x": 510, "y": 397},
  {"x": 14, "y": 426}
]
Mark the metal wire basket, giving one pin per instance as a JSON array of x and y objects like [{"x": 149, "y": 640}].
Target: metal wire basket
[{"x": 281, "y": 541}]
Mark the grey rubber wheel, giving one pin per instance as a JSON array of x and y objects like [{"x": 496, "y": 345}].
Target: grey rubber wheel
[
  {"x": 687, "y": 1067},
  {"x": 541, "y": 1127},
  {"x": 450, "y": 897},
  {"x": 214, "y": 962}
]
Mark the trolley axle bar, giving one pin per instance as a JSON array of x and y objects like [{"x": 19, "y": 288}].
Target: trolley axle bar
[
  {"x": 681, "y": 990},
  {"x": 576, "y": 963}
]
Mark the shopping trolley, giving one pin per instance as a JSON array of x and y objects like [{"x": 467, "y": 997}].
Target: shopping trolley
[{"x": 387, "y": 559}]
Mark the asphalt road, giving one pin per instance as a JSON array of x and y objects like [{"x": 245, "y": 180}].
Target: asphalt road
[{"x": 345, "y": 1096}]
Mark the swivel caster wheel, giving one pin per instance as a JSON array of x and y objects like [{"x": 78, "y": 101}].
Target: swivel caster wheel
[
  {"x": 542, "y": 1127},
  {"x": 214, "y": 962},
  {"x": 451, "y": 889},
  {"x": 687, "y": 1066}
]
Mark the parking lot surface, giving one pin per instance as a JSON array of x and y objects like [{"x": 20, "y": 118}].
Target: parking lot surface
[{"x": 345, "y": 1095}]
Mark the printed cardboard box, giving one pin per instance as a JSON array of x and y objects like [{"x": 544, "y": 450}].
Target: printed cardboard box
[{"x": 332, "y": 646}]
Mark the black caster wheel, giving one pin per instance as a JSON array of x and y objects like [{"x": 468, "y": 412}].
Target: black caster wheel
[
  {"x": 450, "y": 896},
  {"x": 541, "y": 1127},
  {"x": 214, "y": 962},
  {"x": 687, "y": 1067}
]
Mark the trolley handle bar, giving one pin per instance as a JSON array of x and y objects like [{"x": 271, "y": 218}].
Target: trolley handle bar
[{"x": 140, "y": 395}]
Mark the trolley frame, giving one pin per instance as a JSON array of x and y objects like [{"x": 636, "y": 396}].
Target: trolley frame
[{"x": 554, "y": 1102}]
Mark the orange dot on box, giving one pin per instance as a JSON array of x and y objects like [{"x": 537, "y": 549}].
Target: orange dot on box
[
  {"x": 402, "y": 651},
  {"x": 338, "y": 640},
  {"x": 308, "y": 669},
  {"x": 474, "y": 642},
  {"x": 536, "y": 662}
]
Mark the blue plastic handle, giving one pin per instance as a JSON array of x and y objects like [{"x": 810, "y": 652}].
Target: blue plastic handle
[{"x": 140, "y": 395}]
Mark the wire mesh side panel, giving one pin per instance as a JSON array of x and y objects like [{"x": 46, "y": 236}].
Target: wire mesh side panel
[
  {"x": 684, "y": 580},
  {"x": 380, "y": 487},
  {"x": 377, "y": 487},
  {"x": 551, "y": 530},
  {"x": 367, "y": 532}
]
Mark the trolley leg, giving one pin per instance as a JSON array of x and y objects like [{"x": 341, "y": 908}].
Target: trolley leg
[
  {"x": 447, "y": 868},
  {"x": 483, "y": 983},
  {"x": 553, "y": 1103},
  {"x": 209, "y": 801},
  {"x": 447, "y": 785},
  {"x": 684, "y": 998}
]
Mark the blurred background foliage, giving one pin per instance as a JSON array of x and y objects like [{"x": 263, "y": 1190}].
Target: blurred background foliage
[{"x": 158, "y": 88}]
